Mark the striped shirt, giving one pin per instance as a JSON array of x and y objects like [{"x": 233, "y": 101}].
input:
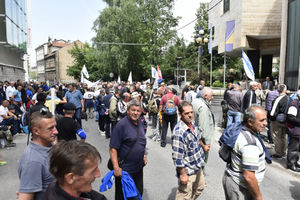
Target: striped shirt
[
  {"x": 246, "y": 156},
  {"x": 187, "y": 151}
]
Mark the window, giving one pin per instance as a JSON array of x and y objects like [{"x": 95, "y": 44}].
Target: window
[{"x": 226, "y": 5}]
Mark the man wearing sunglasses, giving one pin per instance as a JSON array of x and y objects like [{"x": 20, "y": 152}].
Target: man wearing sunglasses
[{"x": 33, "y": 166}]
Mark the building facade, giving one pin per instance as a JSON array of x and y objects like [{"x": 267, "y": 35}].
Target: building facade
[
  {"x": 53, "y": 60},
  {"x": 40, "y": 53},
  {"x": 290, "y": 45},
  {"x": 257, "y": 30},
  {"x": 13, "y": 39}
]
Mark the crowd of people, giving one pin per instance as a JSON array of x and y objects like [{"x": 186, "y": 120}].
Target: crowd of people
[{"x": 120, "y": 109}]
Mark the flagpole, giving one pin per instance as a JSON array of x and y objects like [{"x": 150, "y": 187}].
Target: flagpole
[
  {"x": 210, "y": 78},
  {"x": 224, "y": 66}
]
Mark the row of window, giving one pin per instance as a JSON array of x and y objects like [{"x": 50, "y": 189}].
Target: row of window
[
  {"x": 15, "y": 36},
  {"x": 16, "y": 12}
]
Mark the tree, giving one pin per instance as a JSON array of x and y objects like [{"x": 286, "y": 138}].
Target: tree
[{"x": 150, "y": 23}]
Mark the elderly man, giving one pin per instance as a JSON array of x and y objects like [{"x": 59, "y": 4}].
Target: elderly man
[
  {"x": 204, "y": 118},
  {"x": 250, "y": 96},
  {"x": 127, "y": 148},
  {"x": 74, "y": 164},
  {"x": 278, "y": 128},
  {"x": 293, "y": 129},
  {"x": 188, "y": 154},
  {"x": 247, "y": 167},
  {"x": 33, "y": 166}
]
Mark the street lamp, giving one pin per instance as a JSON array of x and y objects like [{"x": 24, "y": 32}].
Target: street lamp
[{"x": 200, "y": 40}]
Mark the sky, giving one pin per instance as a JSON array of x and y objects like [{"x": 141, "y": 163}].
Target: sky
[{"x": 73, "y": 20}]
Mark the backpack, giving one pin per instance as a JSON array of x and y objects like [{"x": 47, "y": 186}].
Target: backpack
[
  {"x": 25, "y": 122},
  {"x": 170, "y": 107},
  {"x": 152, "y": 106},
  {"x": 228, "y": 139}
]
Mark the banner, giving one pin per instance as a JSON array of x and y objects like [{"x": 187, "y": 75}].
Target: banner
[
  {"x": 85, "y": 72},
  {"x": 130, "y": 78},
  {"x": 159, "y": 75},
  {"x": 248, "y": 66},
  {"x": 229, "y": 37}
]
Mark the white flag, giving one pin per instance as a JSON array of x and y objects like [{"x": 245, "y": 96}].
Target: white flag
[
  {"x": 153, "y": 72},
  {"x": 130, "y": 78},
  {"x": 248, "y": 66},
  {"x": 85, "y": 72},
  {"x": 119, "y": 79}
]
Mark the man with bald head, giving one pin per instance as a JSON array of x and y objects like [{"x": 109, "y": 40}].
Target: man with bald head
[
  {"x": 247, "y": 167},
  {"x": 204, "y": 118}
]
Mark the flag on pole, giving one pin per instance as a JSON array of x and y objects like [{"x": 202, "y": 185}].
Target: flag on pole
[
  {"x": 248, "y": 66},
  {"x": 130, "y": 78},
  {"x": 85, "y": 72},
  {"x": 159, "y": 75},
  {"x": 229, "y": 37},
  {"x": 210, "y": 40},
  {"x": 153, "y": 72},
  {"x": 119, "y": 79}
]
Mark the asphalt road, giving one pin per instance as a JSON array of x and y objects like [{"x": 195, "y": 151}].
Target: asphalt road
[{"x": 160, "y": 182}]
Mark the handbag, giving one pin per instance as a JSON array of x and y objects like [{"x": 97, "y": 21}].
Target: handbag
[
  {"x": 281, "y": 118},
  {"x": 109, "y": 163}
]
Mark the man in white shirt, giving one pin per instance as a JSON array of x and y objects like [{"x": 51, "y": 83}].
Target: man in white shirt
[{"x": 10, "y": 90}]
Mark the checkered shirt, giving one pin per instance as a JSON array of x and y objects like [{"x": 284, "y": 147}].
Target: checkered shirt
[{"x": 187, "y": 150}]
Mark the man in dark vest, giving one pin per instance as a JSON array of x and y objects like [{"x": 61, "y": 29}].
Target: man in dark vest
[{"x": 293, "y": 129}]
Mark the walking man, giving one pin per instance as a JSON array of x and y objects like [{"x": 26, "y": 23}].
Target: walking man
[
  {"x": 278, "y": 128},
  {"x": 247, "y": 167},
  {"x": 188, "y": 154},
  {"x": 33, "y": 166},
  {"x": 293, "y": 129},
  {"x": 168, "y": 108},
  {"x": 128, "y": 144},
  {"x": 74, "y": 96},
  {"x": 204, "y": 118}
]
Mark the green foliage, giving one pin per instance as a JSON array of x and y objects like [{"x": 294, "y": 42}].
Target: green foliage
[
  {"x": 148, "y": 22},
  {"x": 217, "y": 84}
]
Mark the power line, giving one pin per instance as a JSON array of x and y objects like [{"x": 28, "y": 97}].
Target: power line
[
  {"x": 122, "y": 44},
  {"x": 199, "y": 16}
]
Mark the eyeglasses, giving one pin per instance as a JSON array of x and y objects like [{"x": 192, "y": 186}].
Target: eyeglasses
[{"x": 44, "y": 111}]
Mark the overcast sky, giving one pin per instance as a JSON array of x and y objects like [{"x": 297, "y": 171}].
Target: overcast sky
[{"x": 73, "y": 19}]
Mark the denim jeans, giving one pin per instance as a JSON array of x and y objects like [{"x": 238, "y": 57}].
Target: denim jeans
[
  {"x": 13, "y": 122},
  {"x": 233, "y": 117},
  {"x": 77, "y": 116},
  {"x": 166, "y": 119}
]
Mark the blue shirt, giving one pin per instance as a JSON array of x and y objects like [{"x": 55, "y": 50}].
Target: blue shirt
[
  {"x": 17, "y": 96},
  {"x": 122, "y": 139},
  {"x": 75, "y": 98},
  {"x": 29, "y": 93},
  {"x": 187, "y": 151}
]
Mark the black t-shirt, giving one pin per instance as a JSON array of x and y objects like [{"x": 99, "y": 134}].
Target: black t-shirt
[{"x": 67, "y": 128}]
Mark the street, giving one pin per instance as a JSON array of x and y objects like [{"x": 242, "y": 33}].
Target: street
[{"x": 160, "y": 182}]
